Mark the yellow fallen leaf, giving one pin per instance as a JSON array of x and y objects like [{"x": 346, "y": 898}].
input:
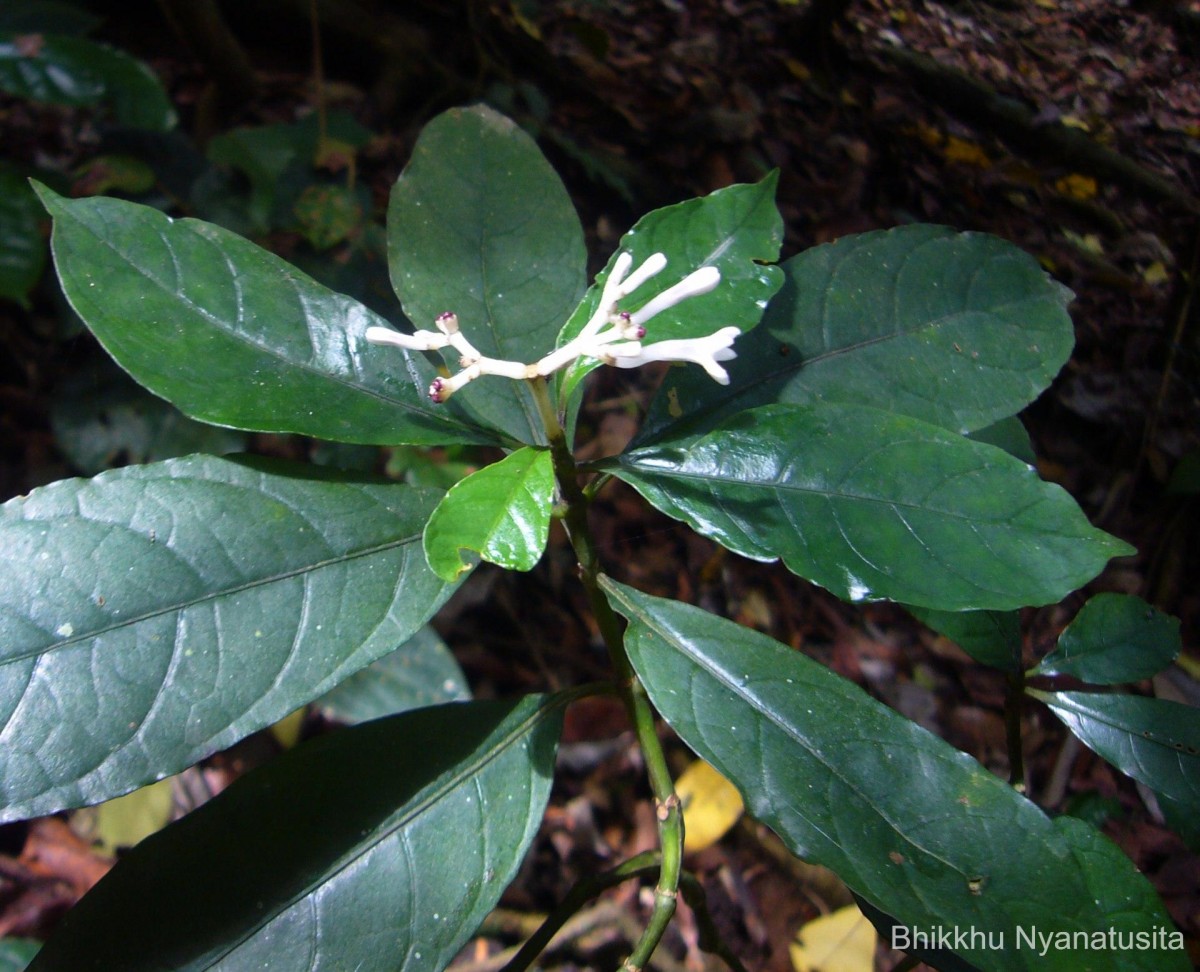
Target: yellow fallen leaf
[
  {"x": 930, "y": 135},
  {"x": 797, "y": 68},
  {"x": 125, "y": 821},
  {"x": 1156, "y": 274},
  {"x": 524, "y": 22},
  {"x": 711, "y": 805},
  {"x": 287, "y": 730},
  {"x": 843, "y": 941},
  {"x": 1087, "y": 242},
  {"x": 1076, "y": 185},
  {"x": 960, "y": 150}
]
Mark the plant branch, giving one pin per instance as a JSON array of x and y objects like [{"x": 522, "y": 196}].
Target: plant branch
[
  {"x": 668, "y": 811},
  {"x": 642, "y": 865}
]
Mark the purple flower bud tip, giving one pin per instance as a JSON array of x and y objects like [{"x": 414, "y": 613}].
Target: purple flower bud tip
[
  {"x": 639, "y": 331},
  {"x": 625, "y": 316},
  {"x": 436, "y": 387}
]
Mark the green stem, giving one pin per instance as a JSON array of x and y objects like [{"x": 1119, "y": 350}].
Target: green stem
[
  {"x": 668, "y": 811},
  {"x": 641, "y": 865}
]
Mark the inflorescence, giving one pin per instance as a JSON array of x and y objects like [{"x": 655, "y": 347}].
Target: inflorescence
[{"x": 611, "y": 335}]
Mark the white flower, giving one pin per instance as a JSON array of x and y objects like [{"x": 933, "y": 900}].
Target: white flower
[
  {"x": 705, "y": 351},
  {"x": 655, "y": 263},
  {"x": 610, "y": 335},
  {"x": 693, "y": 285},
  {"x": 418, "y": 341}
]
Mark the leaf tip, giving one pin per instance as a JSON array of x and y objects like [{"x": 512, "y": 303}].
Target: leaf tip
[{"x": 49, "y": 198}]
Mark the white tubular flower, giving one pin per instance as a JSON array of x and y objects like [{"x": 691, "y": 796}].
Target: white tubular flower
[
  {"x": 441, "y": 389},
  {"x": 705, "y": 351},
  {"x": 610, "y": 335},
  {"x": 417, "y": 341},
  {"x": 693, "y": 285},
  {"x": 655, "y": 263}
]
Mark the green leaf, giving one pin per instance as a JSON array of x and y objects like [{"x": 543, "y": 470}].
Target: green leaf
[
  {"x": 1181, "y": 819},
  {"x": 103, "y": 419},
  {"x": 277, "y": 162},
  {"x": 1155, "y": 741},
  {"x": 420, "y": 672},
  {"x": 917, "y": 828},
  {"x": 990, "y": 637},
  {"x": 871, "y": 505},
  {"x": 479, "y": 224},
  {"x": 738, "y": 230},
  {"x": 65, "y": 70},
  {"x": 1008, "y": 434},
  {"x": 330, "y": 214},
  {"x": 378, "y": 847},
  {"x": 233, "y": 335},
  {"x": 156, "y": 614},
  {"x": 956, "y": 329},
  {"x": 1115, "y": 638},
  {"x": 502, "y": 512},
  {"x": 22, "y": 242},
  {"x": 126, "y": 821}
]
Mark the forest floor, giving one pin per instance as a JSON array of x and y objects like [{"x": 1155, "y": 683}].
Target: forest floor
[{"x": 871, "y": 125}]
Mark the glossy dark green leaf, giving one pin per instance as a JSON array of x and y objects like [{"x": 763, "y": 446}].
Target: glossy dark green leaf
[
  {"x": 956, "y": 329},
  {"x": 990, "y": 637},
  {"x": 233, "y": 335},
  {"x": 890, "y": 930},
  {"x": 156, "y": 614},
  {"x": 873, "y": 505},
  {"x": 1114, "y": 638},
  {"x": 917, "y": 828},
  {"x": 1181, "y": 819},
  {"x": 737, "y": 229},
  {"x": 22, "y": 241},
  {"x": 66, "y": 70},
  {"x": 479, "y": 224},
  {"x": 101, "y": 419},
  {"x": 502, "y": 512},
  {"x": 420, "y": 672},
  {"x": 1008, "y": 434},
  {"x": 1155, "y": 741},
  {"x": 378, "y": 847}
]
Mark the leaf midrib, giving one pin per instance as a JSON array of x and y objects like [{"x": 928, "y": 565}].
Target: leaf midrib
[
  {"x": 707, "y": 479},
  {"x": 211, "y": 596},
  {"x": 432, "y": 794},
  {"x": 246, "y": 339}
]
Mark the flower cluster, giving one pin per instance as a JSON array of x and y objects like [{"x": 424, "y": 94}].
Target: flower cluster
[{"x": 611, "y": 335}]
